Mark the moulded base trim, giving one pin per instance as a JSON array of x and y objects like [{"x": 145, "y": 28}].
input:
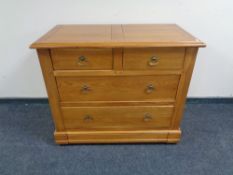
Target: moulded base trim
[{"x": 142, "y": 136}]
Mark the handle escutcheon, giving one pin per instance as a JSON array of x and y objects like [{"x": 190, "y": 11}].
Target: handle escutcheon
[
  {"x": 85, "y": 89},
  {"x": 88, "y": 118},
  {"x": 147, "y": 117},
  {"x": 150, "y": 88},
  {"x": 153, "y": 61},
  {"x": 82, "y": 61}
]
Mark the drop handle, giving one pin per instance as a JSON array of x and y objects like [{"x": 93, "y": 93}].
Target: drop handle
[
  {"x": 153, "y": 61},
  {"x": 147, "y": 117},
  {"x": 82, "y": 60},
  {"x": 150, "y": 88},
  {"x": 85, "y": 89},
  {"x": 88, "y": 118}
]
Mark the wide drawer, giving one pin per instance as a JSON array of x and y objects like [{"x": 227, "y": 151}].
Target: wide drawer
[
  {"x": 153, "y": 58},
  {"x": 117, "y": 118},
  {"x": 82, "y": 59},
  {"x": 118, "y": 88}
]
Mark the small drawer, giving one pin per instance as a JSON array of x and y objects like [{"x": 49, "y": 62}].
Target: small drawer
[
  {"x": 153, "y": 58},
  {"x": 117, "y": 117},
  {"x": 82, "y": 59},
  {"x": 118, "y": 88}
]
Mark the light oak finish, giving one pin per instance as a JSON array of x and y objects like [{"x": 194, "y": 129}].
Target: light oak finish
[
  {"x": 117, "y": 59},
  {"x": 117, "y": 36},
  {"x": 74, "y": 73},
  {"x": 116, "y": 103},
  {"x": 142, "y": 136},
  {"x": 117, "y": 117},
  {"x": 118, "y": 88},
  {"x": 50, "y": 82},
  {"x": 117, "y": 83},
  {"x": 82, "y": 59},
  {"x": 184, "y": 85},
  {"x": 153, "y": 58}
]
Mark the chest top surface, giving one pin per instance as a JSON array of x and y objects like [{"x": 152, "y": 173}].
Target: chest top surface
[{"x": 125, "y": 35}]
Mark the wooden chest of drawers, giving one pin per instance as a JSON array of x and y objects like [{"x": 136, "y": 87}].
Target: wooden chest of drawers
[{"x": 117, "y": 83}]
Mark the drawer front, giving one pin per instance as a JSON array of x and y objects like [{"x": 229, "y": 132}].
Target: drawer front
[
  {"x": 82, "y": 59},
  {"x": 118, "y": 88},
  {"x": 153, "y": 58},
  {"x": 117, "y": 118}
]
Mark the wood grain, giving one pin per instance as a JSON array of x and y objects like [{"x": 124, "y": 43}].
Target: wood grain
[
  {"x": 116, "y": 103},
  {"x": 117, "y": 117},
  {"x": 118, "y": 88},
  {"x": 51, "y": 86},
  {"x": 118, "y": 59},
  {"x": 120, "y": 94},
  {"x": 150, "y": 136},
  {"x": 190, "y": 59},
  {"x": 93, "y": 59},
  {"x": 61, "y": 137},
  {"x": 94, "y": 73},
  {"x": 110, "y": 36},
  {"x": 142, "y": 58}
]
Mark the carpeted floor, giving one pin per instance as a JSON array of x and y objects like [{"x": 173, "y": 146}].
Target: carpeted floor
[{"x": 27, "y": 146}]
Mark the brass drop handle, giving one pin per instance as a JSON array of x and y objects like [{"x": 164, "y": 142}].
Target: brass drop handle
[
  {"x": 82, "y": 60},
  {"x": 85, "y": 89},
  {"x": 147, "y": 117},
  {"x": 153, "y": 61},
  {"x": 88, "y": 118},
  {"x": 150, "y": 88}
]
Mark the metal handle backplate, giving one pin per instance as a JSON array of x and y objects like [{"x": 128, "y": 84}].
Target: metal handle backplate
[
  {"x": 153, "y": 61},
  {"x": 88, "y": 118},
  {"x": 85, "y": 89},
  {"x": 150, "y": 88},
  {"x": 147, "y": 117},
  {"x": 82, "y": 61}
]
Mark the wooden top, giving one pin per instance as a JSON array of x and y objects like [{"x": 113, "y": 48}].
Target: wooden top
[{"x": 127, "y": 35}]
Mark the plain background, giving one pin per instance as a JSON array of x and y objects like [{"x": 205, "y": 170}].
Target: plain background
[{"x": 22, "y": 22}]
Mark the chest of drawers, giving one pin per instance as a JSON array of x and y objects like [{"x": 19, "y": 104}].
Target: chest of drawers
[{"x": 117, "y": 83}]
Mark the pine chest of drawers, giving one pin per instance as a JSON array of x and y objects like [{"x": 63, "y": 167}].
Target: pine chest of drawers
[{"x": 117, "y": 83}]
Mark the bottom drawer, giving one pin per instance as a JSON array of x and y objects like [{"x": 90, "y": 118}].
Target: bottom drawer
[{"x": 117, "y": 117}]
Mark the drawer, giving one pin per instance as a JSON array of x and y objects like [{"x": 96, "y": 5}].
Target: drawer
[
  {"x": 117, "y": 118},
  {"x": 82, "y": 59},
  {"x": 153, "y": 58},
  {"x": 118, "y": 88}
]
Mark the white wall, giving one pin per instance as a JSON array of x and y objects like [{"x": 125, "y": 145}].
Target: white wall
[{"x": 21, "y": 22}]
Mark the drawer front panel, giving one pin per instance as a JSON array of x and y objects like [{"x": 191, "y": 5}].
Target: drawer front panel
[
  {"x": 153, "y": 58},
  {"x": 118, "y": 88},
  {"x": 117, "y": 118},
  {"x": 82, "y": 59}
]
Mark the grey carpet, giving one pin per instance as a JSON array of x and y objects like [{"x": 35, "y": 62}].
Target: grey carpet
[{"x": 27, "y": 146}]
